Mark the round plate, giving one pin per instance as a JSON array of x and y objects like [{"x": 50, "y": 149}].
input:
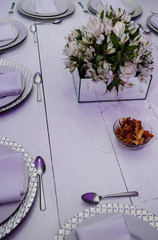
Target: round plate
[
  {"x": 28, "y": 7},
  {"x": 27, "y": 77},
  {"x": 22, "y": 33},
  {"x": 6, "y": 42},
  {"x": 8, "y": 209},
  {"x": 8, "y": 99},
  {"x": 144, "y": 220},
  {"x": 12, "y": 222},
  {"x": 98, "y": 6},
  {"x": 150, "y": 24},
  {"x": 70, "y": 7}
]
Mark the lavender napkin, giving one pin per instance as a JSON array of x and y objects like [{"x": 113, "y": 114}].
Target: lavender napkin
[
  {"x": 10, "y": 84},
  {"x": 7, "y": 32},
  {"x": 154, "y": 20},
  {"x": 111, "y": 228},
  {"x": 11, "y": 178},
  {"x": 45, "y": 6},
  {"x": 119, "y": 4}
]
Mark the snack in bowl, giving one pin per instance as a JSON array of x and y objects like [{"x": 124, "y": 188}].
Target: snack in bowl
[{"x": 132, "y": 133}]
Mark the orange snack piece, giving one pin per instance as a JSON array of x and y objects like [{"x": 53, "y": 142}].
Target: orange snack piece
[{"x": 132, "y": 132}]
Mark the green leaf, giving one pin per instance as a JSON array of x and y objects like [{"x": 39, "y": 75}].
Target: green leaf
[
  {"x": 98, "y": 58},
  {"x": 102, "y": 15},
  {"x": 114, "y": 40},
  {"x": 114, "y": 83},
  {"x": 131, "y": 48},
  {"x": 119, "y": 57}
]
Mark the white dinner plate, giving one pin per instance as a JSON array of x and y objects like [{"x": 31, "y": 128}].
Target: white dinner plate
[
  {"x": 28, "y": 7},
  {"x": 8, "y": 99},
  {"x": 151, "y": 25},
  {"x": 143, "y": 225},
  {"x": 27, "y": 79},
  {"x": 21, "y": 30},
  {"x": 138, "y": 229},
  {"x": 6, "y": 210},
  {"x": 70, "y": 10},
  {"x": 6, "y": 42},
  {"x": 96, "y": 6},
  {"x": 19, "y": 211}
]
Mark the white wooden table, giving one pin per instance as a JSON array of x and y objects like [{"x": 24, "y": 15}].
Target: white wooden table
[{"x": 77, "y": 140}]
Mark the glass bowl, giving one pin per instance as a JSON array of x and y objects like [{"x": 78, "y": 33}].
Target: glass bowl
[{"x": 132, "y": 146}]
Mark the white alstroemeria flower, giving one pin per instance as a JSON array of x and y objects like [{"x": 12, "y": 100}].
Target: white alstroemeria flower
[
  {"x": 129, "y": 70},
  {"x": 145, "y": 74},
  {"x": 72, "y": 45},
  {"x": 124, "y": 38},
  {"x": 110, "y": 48},
  {"x": 99, "y": 36},
  {"x": 106, "y": 66},
  {"x": 132, "y": 29},
  {"x": 86, "y": 40},
  {"x": 119, "y": 28}
]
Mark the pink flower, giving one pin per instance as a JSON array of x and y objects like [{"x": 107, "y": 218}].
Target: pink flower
[{"x": 128, "y": 71}]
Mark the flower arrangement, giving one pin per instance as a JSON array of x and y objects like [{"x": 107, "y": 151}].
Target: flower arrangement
[{"x": 110, "y": 48}]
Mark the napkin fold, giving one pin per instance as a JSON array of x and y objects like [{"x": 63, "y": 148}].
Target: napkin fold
[
  {"x": 154, "y": 20},
  {"x": 111, "y": 228},
  {"x": 10, "y": 84},
  {"x": 45, "y": 6},
  {"x": 119, "y": 4},
  {"x": 11, "y": 177},
  {"x": 7, "y": 32}
]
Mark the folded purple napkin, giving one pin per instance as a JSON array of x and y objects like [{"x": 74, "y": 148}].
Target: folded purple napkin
[
  {"x": 11, "y": 178},
  {"x": 45, "y": 6},
  {"x": 111, "y": 228},
  {"x": 154, "y": 20},
  {"x": 10, "y": 84},
  {"x": 7, "y": 32}
]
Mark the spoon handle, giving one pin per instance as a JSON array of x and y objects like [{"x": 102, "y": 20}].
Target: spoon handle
[
  {"x": 42, "y": 198},
  {"x": 34, "y": 37},
  {"x": 39, "y": 97},
  {"x": 124, "y": 194}
]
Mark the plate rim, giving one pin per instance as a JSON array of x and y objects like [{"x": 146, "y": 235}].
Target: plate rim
[
  {"x": 133, "y": 15},
  {"x": 150, "y": 25},
  {"x": 20, "y": 38},
  {"x": 43, "y": 14},
  {"x": 14, "y": 220},
  {"x": 28, "y": 82},
  {"x": 140, "y": 213},
  {"x": 71, "y": 9}
]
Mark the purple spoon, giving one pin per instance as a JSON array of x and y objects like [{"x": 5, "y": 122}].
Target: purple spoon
[{"x": 94, "y": 198}]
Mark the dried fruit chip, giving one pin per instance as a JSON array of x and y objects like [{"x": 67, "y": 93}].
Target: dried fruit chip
[{"x": 132, "y": 132}]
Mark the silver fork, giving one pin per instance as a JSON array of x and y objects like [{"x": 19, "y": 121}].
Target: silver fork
[
  {"x": 84, "y": 9},
  {"x": 146, "y": 30},
  {"x": 12, "y": 8}
]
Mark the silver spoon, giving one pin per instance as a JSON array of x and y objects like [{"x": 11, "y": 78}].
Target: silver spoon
[
  {"x": 52, "y": 22},
  {"x": 33, "y": 29},
  {"x": 94, "y": 198},
  {"x": 41, "y": 168},
  {"x": 38, "y": 80}
]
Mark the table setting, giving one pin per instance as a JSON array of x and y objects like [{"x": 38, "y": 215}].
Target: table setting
[
  {"x": 40, "y": 10},
  {"x": 79, "y": 120}
]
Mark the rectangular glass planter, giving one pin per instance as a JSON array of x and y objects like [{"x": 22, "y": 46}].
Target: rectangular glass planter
[{"x": 89, "y": 91}]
